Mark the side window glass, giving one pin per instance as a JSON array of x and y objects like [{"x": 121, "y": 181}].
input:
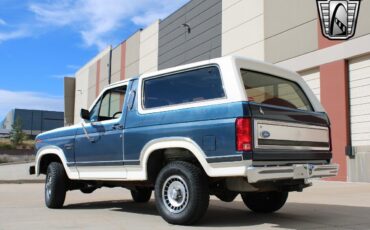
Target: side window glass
[
  {"x": 110, "y": 105},
  {"x": 185, "y": 87},
  {"x": 94, "y": 113}
]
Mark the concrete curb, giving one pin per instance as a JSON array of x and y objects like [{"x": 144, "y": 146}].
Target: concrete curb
[
  {"x": 35, "y": 181},
  {"x": 16, "y": 163}
]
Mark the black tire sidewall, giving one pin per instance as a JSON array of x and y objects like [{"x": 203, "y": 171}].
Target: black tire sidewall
[
  {"x": 196, "y": 200},
  {"x": 141, "y": 195},
  {"x": 56, "y": 199},
  {"x": 257, "y": 202}
]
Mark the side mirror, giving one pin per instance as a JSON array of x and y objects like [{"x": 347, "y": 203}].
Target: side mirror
[{"x": 85, "y": 114}]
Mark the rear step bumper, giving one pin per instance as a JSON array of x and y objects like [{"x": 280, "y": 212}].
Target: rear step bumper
[{"x": 298, "y": 171}]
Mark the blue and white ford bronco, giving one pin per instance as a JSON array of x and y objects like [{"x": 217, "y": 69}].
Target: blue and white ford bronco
[{"x": 222, "y": 127}]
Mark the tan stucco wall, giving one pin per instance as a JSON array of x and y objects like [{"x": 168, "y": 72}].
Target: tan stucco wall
[
  {"x": 363, "y": 22},
  {"x": 133, "y": 55},
  {"x": 81, "y": 93},
  {"x": 291, "y": 28},
  {"x": 69, "y": 100},
  {"x": 92, "y": 84},
  {"x": 104, "y": 71},
  {"x": 116, "y": 64},
  {"x": 243, "y": 28},
  {"x": 149, "y": 49},
  {"x": 85, "y": 91}
]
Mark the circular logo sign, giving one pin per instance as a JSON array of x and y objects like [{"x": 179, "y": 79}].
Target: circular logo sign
[{"x": 265, "y": 134}]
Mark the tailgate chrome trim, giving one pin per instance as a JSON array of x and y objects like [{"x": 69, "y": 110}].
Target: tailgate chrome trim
[{"x": 306, "y": 137}]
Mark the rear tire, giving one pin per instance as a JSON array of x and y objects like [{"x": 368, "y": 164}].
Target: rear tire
[
  {"x": 226, "y": 195},
  {"x": 141, "y": 195},
  {"x": 55, "y": 185},
  {"x": 264, "y": 202},
  {"x": 88, "y": 190},
  {"x": 181, "y": 193}
]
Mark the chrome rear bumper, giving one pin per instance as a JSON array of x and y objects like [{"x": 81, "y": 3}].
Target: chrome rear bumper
[{"x": 297, "y": 171}]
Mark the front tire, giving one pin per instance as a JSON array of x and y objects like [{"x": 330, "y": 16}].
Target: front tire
[
  {"x": 141, "y": 195},
  {"x": 264, "y": 202},
  {"x": 181, "y": 193},
  {"x": 55, "y": 185}
]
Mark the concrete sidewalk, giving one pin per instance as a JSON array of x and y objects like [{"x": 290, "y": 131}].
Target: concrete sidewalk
[{"x": 18, "y": 173}]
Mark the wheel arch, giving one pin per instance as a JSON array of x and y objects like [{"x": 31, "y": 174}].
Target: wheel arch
[
  {"x": 49, "y": 154},
  {"x": 185, "y": 143}
]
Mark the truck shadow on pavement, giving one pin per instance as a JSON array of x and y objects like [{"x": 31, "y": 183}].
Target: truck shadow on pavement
[{"x": 292, "y": 216}]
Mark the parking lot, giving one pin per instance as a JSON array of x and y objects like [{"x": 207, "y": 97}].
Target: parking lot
[{"x": 327, "y": 205}]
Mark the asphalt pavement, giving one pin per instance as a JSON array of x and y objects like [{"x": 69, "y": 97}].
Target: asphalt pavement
[{"x": 326, "y": 205}]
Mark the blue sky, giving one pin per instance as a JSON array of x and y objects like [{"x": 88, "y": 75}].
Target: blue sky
[{"x": 41, "y": 41}]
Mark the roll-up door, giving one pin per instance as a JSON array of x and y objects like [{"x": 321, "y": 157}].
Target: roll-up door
[
  {"x": 312, "y": 78},
  {"x": 359, "y": 84}
]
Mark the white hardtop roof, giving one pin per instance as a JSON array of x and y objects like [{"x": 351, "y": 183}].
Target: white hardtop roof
[{"x": 255, "y": 64}]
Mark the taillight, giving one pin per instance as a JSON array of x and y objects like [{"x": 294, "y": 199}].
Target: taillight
[{"x": 243, "y": 134}]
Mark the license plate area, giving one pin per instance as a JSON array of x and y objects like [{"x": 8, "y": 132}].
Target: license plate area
[{"x": 272, "y": 135}]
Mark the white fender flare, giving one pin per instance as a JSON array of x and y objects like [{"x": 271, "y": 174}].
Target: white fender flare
[
  {"x": 173, "y": 142},
  {"x": 72, "y": 172}
]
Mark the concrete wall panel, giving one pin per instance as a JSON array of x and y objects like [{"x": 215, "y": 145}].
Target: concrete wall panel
[
  {"x": 236, "y": 13},
  {"x": 69, "y": 100},
  {"x": 242, "y": 28},
  {"x": 243, "y": 36},
  {"x": 177, "y": 46},
  {"x": 292, "y": 43},
  {"x": 132, "y": 55},
  {"x": 92, "y": 84},
  {"x": 283, "y": 15},
  {"x": 363, "y": 22},
  {"x": 149, "y": 48},
  {"x": 290, "y": 28},
  {"x": 104, "y": 71},
  {"x": 116, "y": 64},
  {"x": 82, "y": 92}
]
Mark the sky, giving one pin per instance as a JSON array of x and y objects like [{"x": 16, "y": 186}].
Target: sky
[{"x": 41, "y": 41}]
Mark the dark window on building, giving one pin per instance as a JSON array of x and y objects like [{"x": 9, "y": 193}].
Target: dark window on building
[{"x": 186, "y": 87}]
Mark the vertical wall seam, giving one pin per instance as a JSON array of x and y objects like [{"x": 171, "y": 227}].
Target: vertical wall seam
[
  {"x": 123, "y": 61},
  {"x": 97, "y": 86}
]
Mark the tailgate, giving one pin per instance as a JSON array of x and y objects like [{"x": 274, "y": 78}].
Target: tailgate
[{"x": 288, "y": 134}]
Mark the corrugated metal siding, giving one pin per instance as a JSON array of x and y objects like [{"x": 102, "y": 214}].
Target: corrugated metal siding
[
  {"x": 177, "y": 46},
  {"x": 360, "y": 100},
  {"x": 312, "y": 78}
]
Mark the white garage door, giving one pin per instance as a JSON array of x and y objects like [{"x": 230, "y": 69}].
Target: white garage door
[
  {"x": 312, "y": 78},
  {"x": 360, "y": 100}
]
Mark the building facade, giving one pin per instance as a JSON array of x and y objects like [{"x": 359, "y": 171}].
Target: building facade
[
  {"x": 33, "y": 122},
  {"x": 283, "y": 32}
]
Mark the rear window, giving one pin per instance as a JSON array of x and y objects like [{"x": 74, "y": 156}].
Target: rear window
[
  {"x": 185, "y": 87},
  {"x": 267, "y": 89}
]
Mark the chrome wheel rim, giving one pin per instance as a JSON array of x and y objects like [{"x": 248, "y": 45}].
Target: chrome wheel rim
[
  {"x": 175, "y": 194},
  {"x": 48, "y": 186}
]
